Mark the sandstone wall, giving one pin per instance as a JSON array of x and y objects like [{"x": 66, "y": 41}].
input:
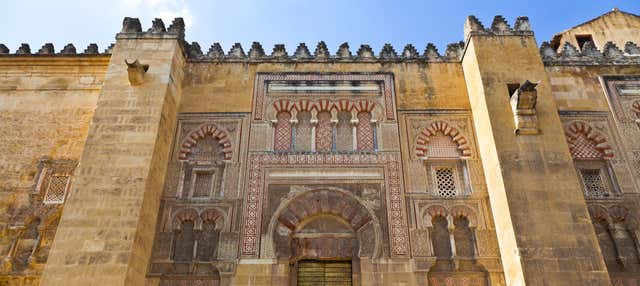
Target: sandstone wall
[{"x": 46, "y": 105}]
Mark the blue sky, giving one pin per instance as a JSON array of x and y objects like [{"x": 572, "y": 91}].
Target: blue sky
[{"x": 287, "y": 21}]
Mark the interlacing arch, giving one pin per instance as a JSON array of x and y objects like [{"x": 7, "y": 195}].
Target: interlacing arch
[
  {"x": 423, "y": 139},
  {"x": 587, "y": 143},
  {"x": 449, "y": 213},
  {"x": 207, "y": 130},
  {"x": 612, "y": 214}
]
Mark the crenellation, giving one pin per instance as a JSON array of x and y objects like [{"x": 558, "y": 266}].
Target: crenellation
[
  {"x": 522, "y": 24},
  {"x": 236, "y": 52},
  {"x": 499, "y": 26},
  {"x": 131, "y": 25},
  {"x": 589, "y": 49},
  {"x": 365, "y": 53},
  {"x": 215, "y": 52},
  {"x": 631, "y": 48},
  {"x": 410, "y": 52},
  {"x": 194, "y": 50},
  {"x": 388, "y": 53},
  {"x": 256, "y": 51},
  {"x": 343, "y": 52},
  {"x": 321, "y": 52},
  {"x": 612, "y": 52},
  {"x": 431, "y": 53},
  {"x": 69, "y": 49},
  {"x": 24, "y": 49},
  {"x": 454, "y": 51},
  {"x": 590, "y": 55},
  {"x": 47, "y": 49},
  {"x": 92, "y": 49},
  {"x": 302, "y": 52},
  {"x": 279, "y": 52},
  {"x": 406, "y": 167},
  {"x": 157, "y": 26}
]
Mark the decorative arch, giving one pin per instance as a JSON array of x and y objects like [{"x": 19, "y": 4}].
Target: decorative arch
[
  {"x": 587, "y": 143},
  {"x": 283, "y": 105},
  {"x": 364, "y": 106},
  {"x": 324, "y": 105},
  {"x": 185, "y": 215},
  {"x": 296, "y": 211},
  {"x": 207, "y": 130},
  {"x": 213, "y": 215},
  {"x": 434, "y": 211},
  {"x": 465, "y": 212},
  {"x": 304, "y": 105},
  {"x": 343, "y": 105},
  {"x": 599, "y": 213},
  {"x": 423, "y": 139}
]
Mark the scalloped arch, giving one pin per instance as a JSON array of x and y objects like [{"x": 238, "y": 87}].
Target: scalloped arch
[
  {"x": 422, "y": 141},
  {"x": 577, "y": 128},
  {"x": 207, "y": 130}
]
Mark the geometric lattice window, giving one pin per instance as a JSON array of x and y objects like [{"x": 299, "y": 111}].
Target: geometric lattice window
[
  {"x": 57, "y": 189},
  {"x": 442, "y": 146},
  {"x": 364, "y": 132},
  {"x": 202, "y": 184},
  {"x": 585, "y": 148},
  {"x": 594, "y": 183},
  {"x": 445, "y": 181}
]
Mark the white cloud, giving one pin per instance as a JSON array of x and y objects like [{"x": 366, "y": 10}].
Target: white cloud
[{"x": 167, "y": 10}]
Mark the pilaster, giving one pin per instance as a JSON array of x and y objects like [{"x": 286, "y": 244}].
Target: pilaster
[
  {"x": 544, "y": 231},
  {"x": 106, "y": 231}
]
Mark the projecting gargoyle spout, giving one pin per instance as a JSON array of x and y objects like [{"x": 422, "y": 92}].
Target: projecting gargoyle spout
[{"x": 136, "y": 71}]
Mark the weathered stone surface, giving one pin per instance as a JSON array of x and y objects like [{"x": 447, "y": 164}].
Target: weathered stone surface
[{"x": 230, "y": 169}]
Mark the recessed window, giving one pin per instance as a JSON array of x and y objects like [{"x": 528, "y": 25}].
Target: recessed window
[
  {"x": 512, "y": 87},
  {"x": 203, "y": 182},
  {"x": 594, "y": 182},
  {"x": 57, "y": 189},
  {"x": 582, "y": 39},
  {"x": 445, "y": 180}
]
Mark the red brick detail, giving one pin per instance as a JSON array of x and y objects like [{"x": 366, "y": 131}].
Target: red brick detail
[
  {"x": 207, "y": 130},
  {"x": 422, "y": 142},
  {"x": 324, "y": 105},
  {"x": 599, "y": 213},
  {"x": 343, "y": 105},
  {"x": 260, "y": 90},
  {"x": 305, "y": 105},
  {"x": 364, "y": 106},
  {"x": 587, "y": 143},
  {"x": 254, "y": 194},
  {"x": 465, "y": 212},
  {"x": 283, "y": 132},
  {"x": 211, "y": 215},
  {"x": 364, "y": 131},
  {"x": 436, "y": 211},
  {"x": 185, "y": 215},
  {"x": 283, "y": 105}
]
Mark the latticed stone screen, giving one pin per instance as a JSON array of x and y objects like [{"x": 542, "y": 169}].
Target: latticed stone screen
[
  {"x": 445, "y": 182},
  {"x": 594, "y": 184},
  {"x": 203, "y": 184},
  {"x": 283, "y": 132},
  {"x": 585, "y": 148},
  {"x": 365, "y": 132},
  {"x": 442, "y": 146},
  {"x": 57, "y": 189}
]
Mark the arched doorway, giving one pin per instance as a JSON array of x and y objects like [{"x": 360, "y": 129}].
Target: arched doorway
[{"x": 324, "y": 234}]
